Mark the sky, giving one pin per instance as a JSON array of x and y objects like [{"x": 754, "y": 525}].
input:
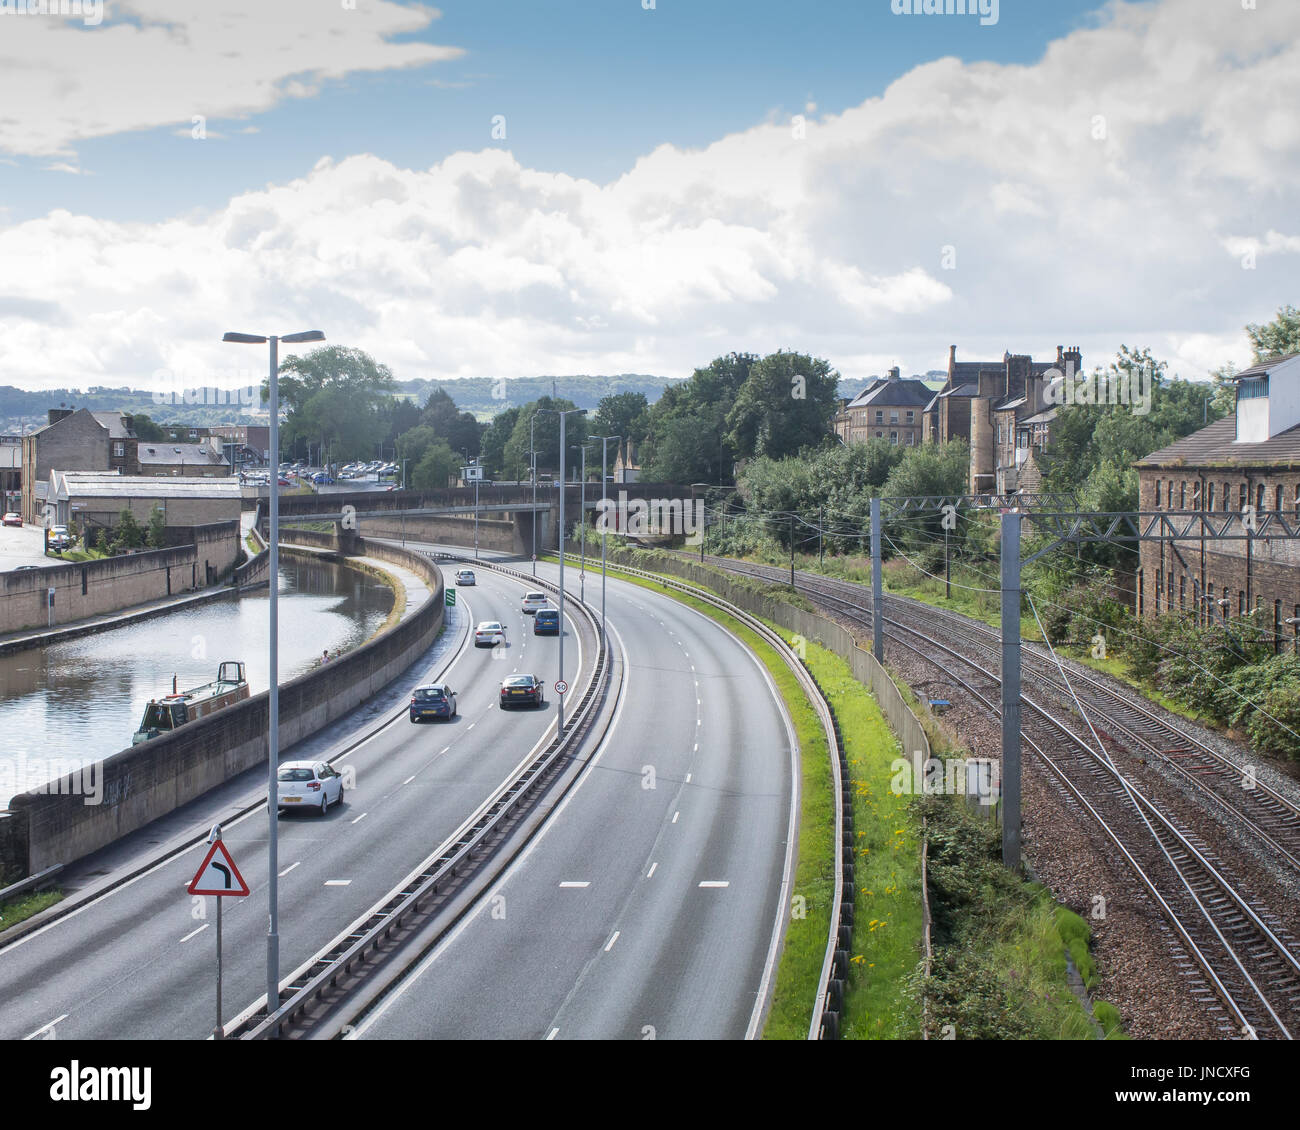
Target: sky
[{"x": 510, "y": 188}]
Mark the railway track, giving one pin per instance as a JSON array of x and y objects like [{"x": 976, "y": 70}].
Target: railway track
[{"x": 1246, "y": 959}]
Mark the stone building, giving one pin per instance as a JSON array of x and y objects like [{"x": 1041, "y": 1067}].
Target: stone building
[
  {"x": 889, "y": 408},
  {"x": 1250, "y": 459},
  {"x": 1004, "y": 410},
  {"x": 91, "y": 499},
  {"x": 73, "y": 440}
]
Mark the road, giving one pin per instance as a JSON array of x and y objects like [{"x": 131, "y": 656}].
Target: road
[
  {"x": 139, "y": 963},
  {"x": 639, "y": 911}
]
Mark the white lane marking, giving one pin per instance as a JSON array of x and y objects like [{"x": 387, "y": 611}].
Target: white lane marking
[
  {"x": 699, "y": 721},
  {"x": 675, "y": 815},
  {"x": 42, "y": 1028},
  {"x": 697, "y": 748},
  {"x": 470, "y": 727},
  {"x": 360, "y": 818},
  {"x": 715, "y": 883},
  {"x": 409, "y": 779},
  {"x": 193, "y": 932},
  {"x": 290, "y": 868},
  {"x": 338, "y": 882},
  {"x": 688, "y": 778},
  {"x": 610, "y": 944},
  {"x": 552, "y": 1033},
  {"x": 652, "y": 869},
  {"x": 574, "y": 884},
  {"x": 443, "y": 750}
]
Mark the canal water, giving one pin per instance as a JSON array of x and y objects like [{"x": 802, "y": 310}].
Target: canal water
[{"x": 81, "y": 700}]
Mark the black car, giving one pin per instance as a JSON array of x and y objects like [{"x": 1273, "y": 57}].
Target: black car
[{"x": 519, "y": 690}]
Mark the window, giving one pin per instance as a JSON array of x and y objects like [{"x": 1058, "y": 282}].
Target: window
[
  {"x": 893, "y": 415},
  {"x": 1241, "y": 497},
  {"x": 1196, "y": 495},
  {"x": 1241, "y": 603},
  {"x": 893, "y": 438},
  {"x": 1169, "y": 589},
  {"x": 1259, "y": 499},
  {"x": 911, "y": 416},
  {"x": 1182, "y": 496},
  {"x": 880, "y": 416},
  {"x": 1211, "y": 504},
  {"x": 1158, "y": 582},
  {"x": 911, "y": 438},
  {"x": 1182, "y": 591},
  {"x": 1277, "y": 499},
  {"x": 1252, "y": 389},
  {"x": 119, "y": 449},
  {"x": 1157, "y": 494},
  {"x": 1227, "y": 496}
]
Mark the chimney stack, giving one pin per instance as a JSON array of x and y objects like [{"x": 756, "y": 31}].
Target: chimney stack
[{"x": 893, "y": 373}]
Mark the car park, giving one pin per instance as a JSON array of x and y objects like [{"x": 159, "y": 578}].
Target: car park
[
  {"x": 465, "y": 577},
  {"x": 520, "y": 690},
  {"x": 308, "y": 784},
  {"x": 433, "y": 700},
  {"x": 533, "y": 601},
  {"x": 546, "y": 622},
  {"x": 489, "y": 633}
]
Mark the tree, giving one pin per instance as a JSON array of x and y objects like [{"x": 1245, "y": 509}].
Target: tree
[
  {"x": 686, "y": 440},
  {"x": 786, "y": 403},
  {"x": 931, "y": 469},
  {"x": 492, "y": 450},
  {"x": 335, "y": 396},
  {"x": 145, "y": 429},
  {"x": 626, "y": 414},
  {"x": 129, "y": 533},
  {"x": 546, "y": 434},
  {"x": 437, "y": 465},
  {"x": 461, "y": 430},
  {"x": 156, "y": 537},
  {"x": 1278, "y": 338}
]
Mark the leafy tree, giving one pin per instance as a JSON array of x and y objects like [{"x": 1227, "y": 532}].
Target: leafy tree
[
  {"x": 932, "y": 468},
  {"x": 687, "y": 438},
  {"x": 335, "y": 396},
  {"x": 145, "y": 429},
  {"x": 546, "y": 434},
  {"x": 128, "y": 532},
  {"x": 437, "y": 465},
  {"x": 625, "y": 414},
  {"x": 1278, "y": 338},
  {"x": 412, "y": 445},
  {"x": 492, "y": 450},
  {"x": 156, "y": 536},
  {"x": 786, "y": 403},
  {"x": 461, "y": 430}
]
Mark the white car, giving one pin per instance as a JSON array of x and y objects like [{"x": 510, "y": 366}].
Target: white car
[
  {"x": 308, "y": 784},
  {"x": 489, "y": 633},
  {"x": 465, "y": 577},
  {"x": 533, "y": 601}
]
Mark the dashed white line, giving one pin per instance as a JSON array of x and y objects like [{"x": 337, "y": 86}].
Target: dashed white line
[
  {"x": 290, "y": 868},
  {"x": 697, "y": 748},
  {"x": 652, "y": 869},
  {"x": 409, "y": 779},
  {"x": 688, "y": 778},
  {"x": 191, "y": 934},
  {"x": 470, "y": 726},
  {"x": 552, "y": 1033},
  {"x": 574, "y": 884},
  {"x": 443, "y": 750},
  {"x": 338, "y": 882},
  {"x": 675, "y": 815},
  {"x": 360, "y": 818},
  {"x": 715, "y": 883},
  {"x": 610, "y": 944}
]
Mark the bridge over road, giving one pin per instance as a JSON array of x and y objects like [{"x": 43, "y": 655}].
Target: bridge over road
[{"x": 447, "y": 515}]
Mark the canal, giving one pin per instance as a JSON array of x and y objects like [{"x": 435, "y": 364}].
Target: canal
[{"x": 82, "y": 699}]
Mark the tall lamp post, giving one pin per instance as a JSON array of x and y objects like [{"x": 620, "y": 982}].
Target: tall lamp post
[
  {"x": 563, "y": 417},
  {"x": 273, "y": 695},
  {"x": 532, "y": 451},
  {"x": 604, "y": 526}
]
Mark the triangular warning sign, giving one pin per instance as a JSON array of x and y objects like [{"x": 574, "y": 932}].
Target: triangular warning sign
[{"x": 218, "y": 876}]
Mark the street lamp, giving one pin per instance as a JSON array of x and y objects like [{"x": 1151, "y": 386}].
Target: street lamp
[
  {"x": 563, "y": 416},
  {"x": 604, "y": 526},
  {"x": 273, "y": 697}
]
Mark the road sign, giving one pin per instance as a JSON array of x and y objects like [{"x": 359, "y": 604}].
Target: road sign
[
  {"x": 218, "y": 876},
  {"x": 450, "y": 598},
  {"x": 561, "y": 687}
]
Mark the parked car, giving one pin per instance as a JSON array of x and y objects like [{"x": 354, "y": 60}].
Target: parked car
[
  {"x": 465, "y": 577},
  {"x": 546, "y": 622},
  {"x": 434, "y": 700},
  {"x": 308, "y": 784},
  {"x": 12, "y": 519},
  {"x": 60, "y": 539},
  {"x": 520, "y": 689},
  {"x": 489, "y": 633},
  {"x": 320, "y": 478},
  {"x": 533, "y": 601}
]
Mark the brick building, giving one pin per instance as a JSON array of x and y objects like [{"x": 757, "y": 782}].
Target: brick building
[
  {"x": 1248, "y": 459},
  {"x": 1003, "y": 409},
  {"x": 73, "y": 440},
  {"x": 889, "y": 408}
]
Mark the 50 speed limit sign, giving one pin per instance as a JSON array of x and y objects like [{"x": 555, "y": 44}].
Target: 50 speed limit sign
[{"x": 561, "y": 687}]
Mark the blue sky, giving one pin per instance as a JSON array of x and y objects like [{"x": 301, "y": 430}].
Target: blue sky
[
  {"x": 1079, "y": 173},
  {"x": 586, "y": 86}
]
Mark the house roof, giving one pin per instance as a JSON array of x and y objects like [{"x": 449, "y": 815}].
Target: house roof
[
  {"x": 112, "y": 421},
  {"x": 961, "y": 390},
  {"x": 1044, "y": 417},
  {"x": 1216, "y": 446},
  {"x": 906, "y": 392},
  {"x": 179, "y": 454},
  {"x": 106, "y": 484},
  {"x": 1264, "y": 367}
]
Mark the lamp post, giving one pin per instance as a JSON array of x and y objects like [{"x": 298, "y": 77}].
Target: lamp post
[
  {"x": 582, "y": 522},
  {"x": 273, "y": 694},
  {"x": 604, "y": 496},
  {"x": 563, "y": 417},
  {"x": 532, "y": 451}
]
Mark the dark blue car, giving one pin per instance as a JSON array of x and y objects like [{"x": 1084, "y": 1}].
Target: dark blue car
[
  {"x": 435, "y": 700},
  {"x": 546, "y": 622}
]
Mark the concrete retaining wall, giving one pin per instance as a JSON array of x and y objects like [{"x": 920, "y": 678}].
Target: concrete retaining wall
[
  {"x": 93, "y": 588},
  {"x": 147, "y": 781}
]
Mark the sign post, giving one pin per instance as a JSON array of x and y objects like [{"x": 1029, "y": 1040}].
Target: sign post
[{"x": 220, "y": 878}]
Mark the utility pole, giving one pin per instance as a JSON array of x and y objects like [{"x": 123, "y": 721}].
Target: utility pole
[
  {"x": 947, "y": 568},
  {"x": 792, "y": 551},
  {"x": 604, "y": 520},
  {"x": 821, "y": 537},
  {"x": 877, "y": 586},
  {"x": 1011, "y": 690}
]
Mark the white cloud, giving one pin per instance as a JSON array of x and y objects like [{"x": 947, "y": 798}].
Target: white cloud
[
  {"x": 831, "y": 243},
  {"x": 155, "y": 63}
]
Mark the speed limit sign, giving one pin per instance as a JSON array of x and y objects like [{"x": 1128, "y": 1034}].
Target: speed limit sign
[{"x": 561, "y": 687}]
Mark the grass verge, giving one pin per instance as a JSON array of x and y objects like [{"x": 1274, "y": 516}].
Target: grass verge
[{"x": 23, "y": 907}]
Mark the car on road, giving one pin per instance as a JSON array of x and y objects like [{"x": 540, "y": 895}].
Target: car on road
[
  {"x": 308, "y": 784},
  {"x": 520, "y": 689},
  {"x": 320, "y": 478},
  {"x": 433, "y": 700},
  {"x": 12, "y": 519},
  {"x": 60, "y": 539},
  {"x": 546, "y": 622},
  {"x": 465, "y": 577},
  {"x": 533, "y": 601},
  {"x": 489, "y": 633}
]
